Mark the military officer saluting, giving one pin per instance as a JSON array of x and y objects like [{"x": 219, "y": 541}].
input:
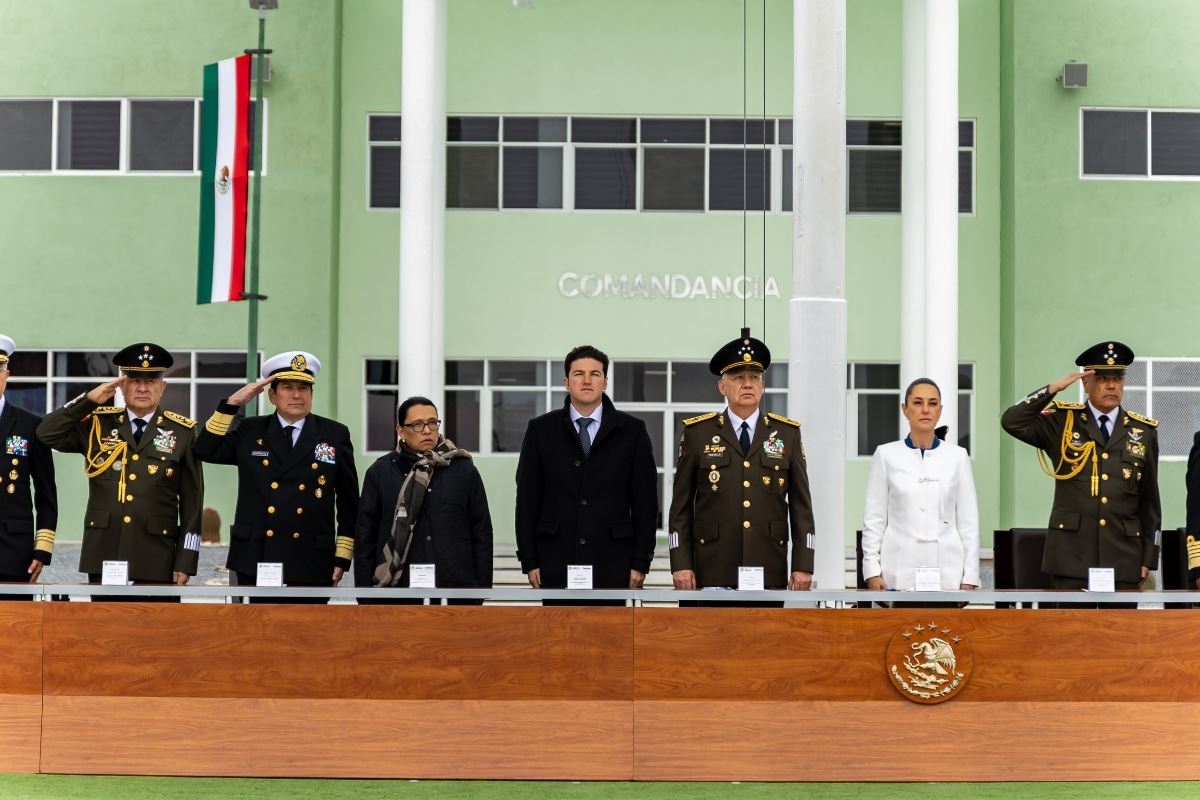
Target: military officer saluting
[
  {"x": 1104, "y": 459},
  {"x": 295, "y": 475},
  {"x": 26, "y": 542},
  {"x": 741, "y": 485},
  {"x": 145, "y": 486}
]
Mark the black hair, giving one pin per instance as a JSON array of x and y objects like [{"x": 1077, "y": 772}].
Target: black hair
[
  {"x": 918, "y": 382},
  {"x": 402, "y": 411},
  {"x": 584, "y": 351}
]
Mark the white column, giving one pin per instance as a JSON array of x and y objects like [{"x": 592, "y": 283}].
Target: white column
[
  {"x": 817, "y": 325},
  {"x": 423, "y": 200},
  {"x": 912, "y": 193}
]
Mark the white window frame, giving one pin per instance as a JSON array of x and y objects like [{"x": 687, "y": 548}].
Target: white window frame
[
  {"x": 1149, "y": 176},
  {"x": 852, "y": 395}
]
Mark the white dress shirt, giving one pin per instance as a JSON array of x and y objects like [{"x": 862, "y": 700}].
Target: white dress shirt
[
  {"x": 297, "y": 426},
  {"x": 597, "y": 412},
  {"x": 751, "y": 421}
]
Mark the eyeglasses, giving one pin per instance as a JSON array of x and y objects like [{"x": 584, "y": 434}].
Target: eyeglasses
[{"x": 418, "y": 427}]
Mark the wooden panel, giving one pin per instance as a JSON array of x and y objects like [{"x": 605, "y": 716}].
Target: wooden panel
[
  {"x": 20, "y": 732},
  {"x": 815, "y": 741},
  {"x": 376, "y": 652},
  {"x": 588, "y": 740},
  {"x": 21, "y": 644},
  {"x": 838, "y": 655}
]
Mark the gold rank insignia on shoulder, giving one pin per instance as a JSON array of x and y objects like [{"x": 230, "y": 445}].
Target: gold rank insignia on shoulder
[
  {"x": 701, "y": 418},
  {"x": 1055, "y": 404},
  {"x": 783, "y": 419},
  {"x": 186, "y": 422},
  {"x": 1153, "y": 423}
]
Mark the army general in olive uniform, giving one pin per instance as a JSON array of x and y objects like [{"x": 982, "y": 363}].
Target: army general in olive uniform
[
  {"x": 1104, "y": 459},
  {"x": 741, "y": 485},
  {"x": 145, "y": 486}
]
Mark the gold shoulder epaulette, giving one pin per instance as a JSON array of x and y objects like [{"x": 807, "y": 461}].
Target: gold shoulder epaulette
[
  {"x": 1063, "y": 404},
  {"x": 784, "y": 420},
  {"x": 700, "y": 418},
  {"x": 108, "y": 410},
  {"x": 1153, "y": 423},
  {"x": 180, "y": 418}
]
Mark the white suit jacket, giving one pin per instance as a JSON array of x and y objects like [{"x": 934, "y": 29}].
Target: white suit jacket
[{"x": 921, "y": 512}]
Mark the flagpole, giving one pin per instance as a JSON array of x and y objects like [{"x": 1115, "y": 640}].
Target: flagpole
[{"x": 252, "y": 296}]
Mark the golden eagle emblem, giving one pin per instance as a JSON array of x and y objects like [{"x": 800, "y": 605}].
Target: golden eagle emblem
[{"x": 928, "y": 663}]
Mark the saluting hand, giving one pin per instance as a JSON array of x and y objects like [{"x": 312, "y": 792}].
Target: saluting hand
[
  {"x": 105, "y": 391},
  {"x": 248, "y": 392},
  {"x": 1066, "y": 380}
]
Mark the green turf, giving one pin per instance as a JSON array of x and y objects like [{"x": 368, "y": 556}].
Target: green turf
[{"x": 75, "y": 787}]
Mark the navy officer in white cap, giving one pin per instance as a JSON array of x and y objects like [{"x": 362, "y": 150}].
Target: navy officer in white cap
[{"x": 297, "y": 485}]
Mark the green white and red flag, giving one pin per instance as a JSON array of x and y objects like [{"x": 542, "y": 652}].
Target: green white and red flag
[{"x": 224, "y": 153}]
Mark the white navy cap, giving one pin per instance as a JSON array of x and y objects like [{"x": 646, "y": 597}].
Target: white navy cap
[
  {"x": 294, "y": 365},
  {"x": 7, "y": 348}
]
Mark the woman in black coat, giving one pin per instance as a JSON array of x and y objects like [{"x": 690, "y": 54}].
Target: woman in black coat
[{"x": 451, "y": 528}]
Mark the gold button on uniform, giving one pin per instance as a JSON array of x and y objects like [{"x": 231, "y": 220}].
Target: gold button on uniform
[
  {"x": 1103, "y": 477},
  {"x": 746, "y": 484},
  {"x": 1104, "y": 456},
  {"x": 701, "y": 541},
  {"x": 270, "y": 509},
  {"x": 301, "y": 487},
  {"x": 274, "y": 484},
  {"x": 1103, "y": 499},
  {"x": 746, "y": 524},
  {"x": 266, "y": 462},
  {"x": 745, "y": 504},
  {"x": 1060, "y": 525},
  {"x": 314, "y": 465},
  {"x": 128, "y": 498},
  {"x": 128, "y": 519},
  {"x": 745, "y": 463},
  {"x": 295, "y": 535},
  {"x": 300, "y": 510},
  {"x": 1102, "y": 523},
  {"x": 270, "y": 534},
  {"x": 132, "y": 477},
  {"x": 135, "y": 456}
]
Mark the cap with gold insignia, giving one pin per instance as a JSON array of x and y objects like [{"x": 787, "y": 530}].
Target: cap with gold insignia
[
  {"x": 294, "y": 365},
  {"x": 744, "y": 351},
  {"x": 143, "y": 360},
  {"x": 7, "y": 348},
  {"x": 1106, "y": 358}
]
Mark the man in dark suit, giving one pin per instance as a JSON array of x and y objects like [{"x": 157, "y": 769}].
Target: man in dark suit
[
  {"x": 24, "y": 546},
  {"x": 586, "y": 486},
  {"x": 145, "y": 485},
  {"x": 297, "y": 485}
]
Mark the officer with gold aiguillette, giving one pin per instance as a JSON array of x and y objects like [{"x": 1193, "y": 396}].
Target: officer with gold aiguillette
[
  {"x": 1104, "y": 459},
  {"x": 741, "y": 485},
  {"x": 145, "y": 486}
]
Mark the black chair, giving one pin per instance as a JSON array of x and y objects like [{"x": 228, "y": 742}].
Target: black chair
[
  {"x": 1174, "y": 565},
  {"x": 1017, "y": 555}
]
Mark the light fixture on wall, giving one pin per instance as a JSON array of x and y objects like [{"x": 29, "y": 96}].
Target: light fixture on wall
[{"x": 1073, "y": 75}]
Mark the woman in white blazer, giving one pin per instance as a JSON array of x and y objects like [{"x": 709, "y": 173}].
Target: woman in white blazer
[{"x": 921, "y": 509}]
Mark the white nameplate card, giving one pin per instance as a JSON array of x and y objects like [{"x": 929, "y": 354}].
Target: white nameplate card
[
  {"x": 420, "y": 576},
  {"x": 1102, "y": 579},
  {"x": 579, "y": 576},
  {"x": 270, "y": 573},
  {"x": 750, "y": 579},
  {"x": 929, "y": 579},
  {"x": 115, "y": 573}
]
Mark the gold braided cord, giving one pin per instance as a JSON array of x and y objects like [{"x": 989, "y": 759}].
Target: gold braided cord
[
  {"x": 1075, "y": 456},
  {"x": 100, "y": 456}
]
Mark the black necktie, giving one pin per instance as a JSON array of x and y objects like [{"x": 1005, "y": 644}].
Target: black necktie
[
  {"x": 139, "y": 426},
  {"x": 288, "y": 431},
  {"x": 744, "y": 438},
  {"x": 585, "y": 441},
  {"x": 1104, "y": 426}
]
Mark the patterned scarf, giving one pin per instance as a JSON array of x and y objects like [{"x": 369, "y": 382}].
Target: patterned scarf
[{"x": 408, "y": 507}]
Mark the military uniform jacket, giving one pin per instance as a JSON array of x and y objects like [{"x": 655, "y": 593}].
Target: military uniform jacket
[
  {"x": 28, "y": 497},
  {"x": 144, "y": 499},
  {"x": 731, "y": 510},
  {"x": 1117, "y": 525},
  {"x": 288, "y": 497}
]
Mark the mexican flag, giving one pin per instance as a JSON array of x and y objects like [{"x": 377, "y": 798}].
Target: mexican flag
[{"x": 224, "y": 148}]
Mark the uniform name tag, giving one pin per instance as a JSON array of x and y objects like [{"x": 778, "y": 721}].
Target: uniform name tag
[
  {"x": 270, "y": 573},
  {"x": 114, "y": 573},
  {"x": 1102, "y": 579},
  {"x": 421, "y": 576},
  {"x": 579, "y": 576},
  {"x": 259, "y": 453},
  {"x": 929, "y": 579},
  {"x": 750, "y": 579}
]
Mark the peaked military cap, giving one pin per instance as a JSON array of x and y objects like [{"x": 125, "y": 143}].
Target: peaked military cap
[
  {"x": 294, "y": 365},
  {"x": 7, "y": 348},
  {"x": 1106, "y": 358},
  {"x": 744, "y": 351},
  {"x": 143, "y": 360}
]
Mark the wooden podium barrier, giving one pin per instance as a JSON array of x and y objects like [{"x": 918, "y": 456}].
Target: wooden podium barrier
[{"x": 589, "y": 693}]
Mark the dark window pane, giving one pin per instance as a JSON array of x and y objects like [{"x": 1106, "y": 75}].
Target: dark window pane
[
  {"x": 673, "y": 131},
  {"x": 208, "y": 395},
  {"x": 381, "y": 372},
  {"x": 725, "y": 185},
  {"x": 558, "y": 398},
  {"x": 25, "y": 134},
  {"x": 68, "y": 391},
  {"x": 533, "y": 177},
  {"x": 97, "y": 365},
  {"x": 381, "y": 419},
  {"x": 876, "y": 376},
  {"x": 517, "y": 373},
  {"x": 27, "y": 363},
  {"x": 777, "y": 375},
  {"x": 966, "y": 133},
  {"x": 873, "y": 181},
  {"x": 966, "y": 376},
  {"x": 964, "y": 422},
  {"x": 182, "y": 368},
  {"x": 1114, "y": 142},
  {"x": 472, "y": 129},
  {"x": 1175, "y": 143},
  {"x": 673, "y": 179},
  {"x": 161, "y": 135},
  {"x": 385, "y": 177},
  {"x": 786, "y": 182},
  {"x": 472, "y": 178},
  {"x": 774, "y": 403},
  {"x": 221, "y": 365},
  {"x": 654, "y": 428},
  {"x": 535, "y": 129},
  {"x": 693, "y": 383},
  {"x": 511, "y": 412},
  {"x": 605, "y": 177},
  {"x": 640, "y": 382},
  {"x": 29, "y": 396},
  {"x": 737, "y": 131},
  {"x": 878, "y": 132},
  {"x": 878, "y": 421},
  {"x": 462, "y": 419},
  {"x": 785, "y": 131},
  {"x": 966, "y": 197},
  {"x": 89, "y": 134},
  {"x": 177, "y": 398},
  {"x": 464, "y": 373},
  {"x": 602, "y": 130},
  {"x": 384, "y": 128}
]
